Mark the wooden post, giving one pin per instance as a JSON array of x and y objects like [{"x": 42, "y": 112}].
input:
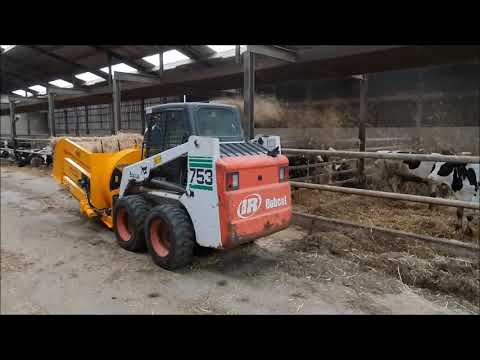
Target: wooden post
[
  {"x": 361, "y": 126},
  {"x": 249, "y": 93}
]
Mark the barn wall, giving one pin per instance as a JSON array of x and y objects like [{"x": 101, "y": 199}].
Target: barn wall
[
  {"x": 450, "y": 96},
  {"x": 38, "y": 124}
]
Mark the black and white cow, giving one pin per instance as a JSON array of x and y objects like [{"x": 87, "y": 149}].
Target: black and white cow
[
  {"x": 397, "y": 171},
  {"x": 463, "y": 180}
]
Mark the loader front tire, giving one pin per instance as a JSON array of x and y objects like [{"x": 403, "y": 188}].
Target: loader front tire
[
  {"x": 128, "y": 222},
  {"x": 170, "y": 236}
]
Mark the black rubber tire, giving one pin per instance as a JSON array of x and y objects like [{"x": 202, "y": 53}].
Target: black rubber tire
[
  {"x": 137, "y": 209},
  {"x": 180, "y": 233}
]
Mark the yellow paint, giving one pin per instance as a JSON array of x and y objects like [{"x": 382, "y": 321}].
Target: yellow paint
[
  {"x": 157, "y": 159},
  {"x": 71, "y": 161}
]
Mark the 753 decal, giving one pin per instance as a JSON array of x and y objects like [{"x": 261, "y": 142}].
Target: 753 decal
[{"x": 201, "y": 174}]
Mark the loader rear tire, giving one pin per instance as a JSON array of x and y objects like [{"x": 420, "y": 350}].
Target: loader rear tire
[
  {"x": 170, "y": 236},
  {"x": 128, "y": 222}
]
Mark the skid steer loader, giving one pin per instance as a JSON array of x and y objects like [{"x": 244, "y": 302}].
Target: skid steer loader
[{"x": 194, "y": 181}]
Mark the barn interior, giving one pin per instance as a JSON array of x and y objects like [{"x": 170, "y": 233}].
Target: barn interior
[{"x": 328, "y": 104}]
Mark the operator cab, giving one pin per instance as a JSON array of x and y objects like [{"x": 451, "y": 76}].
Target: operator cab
[{"x": 170, "y": 125}]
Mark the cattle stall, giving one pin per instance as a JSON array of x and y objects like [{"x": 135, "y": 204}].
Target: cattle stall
[{"x": 472, "y": 205}]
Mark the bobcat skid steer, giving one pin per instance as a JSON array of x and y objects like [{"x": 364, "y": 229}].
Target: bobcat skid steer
[{"x": 195, "y": 180}]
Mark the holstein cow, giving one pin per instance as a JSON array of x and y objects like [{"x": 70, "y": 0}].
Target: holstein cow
[
  {"x": 463, "y": 180},
  {"x": 398, "y": 171}
]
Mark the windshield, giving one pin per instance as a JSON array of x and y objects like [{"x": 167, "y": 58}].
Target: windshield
[{"x": 218, "y": 122}]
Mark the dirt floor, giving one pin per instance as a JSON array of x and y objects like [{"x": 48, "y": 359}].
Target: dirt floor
[{"x": 53, "y": 260}]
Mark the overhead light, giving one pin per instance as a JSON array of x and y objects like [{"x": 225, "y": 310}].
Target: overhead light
[
  {"x": 89, "y": 78},
  {"x": 39, "y": 89},
  {"x": 61, "y": 83},
  {"x": 169, "y": 57},
  {"x": 120, "y": 67},
  {"x": 22, "y": 93}
]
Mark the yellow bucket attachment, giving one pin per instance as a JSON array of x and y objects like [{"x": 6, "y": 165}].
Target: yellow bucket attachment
[{"x": 72, "y": 162}]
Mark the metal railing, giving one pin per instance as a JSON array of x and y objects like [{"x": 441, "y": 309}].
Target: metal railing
[{"x": 379, "y": 155}]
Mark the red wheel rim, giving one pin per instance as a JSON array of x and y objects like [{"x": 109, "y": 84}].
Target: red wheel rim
[
  {"x": 122, "y": 225},
  {"x": 159, "y": 237}
]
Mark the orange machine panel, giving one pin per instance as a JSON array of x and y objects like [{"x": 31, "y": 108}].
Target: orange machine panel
[{"x": 260, "y": 206}]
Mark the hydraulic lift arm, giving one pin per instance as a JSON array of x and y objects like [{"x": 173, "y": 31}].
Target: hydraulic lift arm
[{"x": 140, "y": 171}]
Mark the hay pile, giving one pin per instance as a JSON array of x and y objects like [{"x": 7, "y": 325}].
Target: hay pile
[
  {"x": 399, "y": 215},
  {"x": 104, "y": 144},
  {"x": 271, "y": 113},
  {"x": 413, "y": 264}
]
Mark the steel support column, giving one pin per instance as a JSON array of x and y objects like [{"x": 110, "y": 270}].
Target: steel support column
[
  {"x": 29, "y": 131},
  {"x": 142, "y": 116},
  {"x": 116, "y": 125},
  {"x": 238, "y": 58},
  {"x": 249, "y": 93},
  {"x": 65, "y": 120},
  {"x": 419, "y": 115},
  {"x": 77, "y": 122},
  {"x": 160, "y": 63},
  {"x": 87, "y": 130},
  {"x": 51, "y": 114},
  {"x": 13, "y": 126},
  {"x": 361, "y": 125}
]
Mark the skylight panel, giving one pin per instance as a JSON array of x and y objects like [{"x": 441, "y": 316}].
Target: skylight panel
[
  {"x": 22, "y": 93},
  {"x": 169, "y": 57},
  {"x": 39, "y": 89},
  {"x": 120, "y": 68},
  {"x": 61, "y": 83},
  {"x": 89, "y": 78}
]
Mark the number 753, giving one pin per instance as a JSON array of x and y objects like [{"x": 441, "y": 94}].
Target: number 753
[{"x": 201, "y": 176}]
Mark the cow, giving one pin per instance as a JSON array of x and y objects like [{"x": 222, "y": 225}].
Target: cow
[
  {"x": 463, "y": 180},
  {"x": 396, "y": 172}
]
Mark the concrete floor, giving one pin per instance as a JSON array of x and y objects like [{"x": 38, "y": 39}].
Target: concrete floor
[{"x": 55, "y": 261}]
